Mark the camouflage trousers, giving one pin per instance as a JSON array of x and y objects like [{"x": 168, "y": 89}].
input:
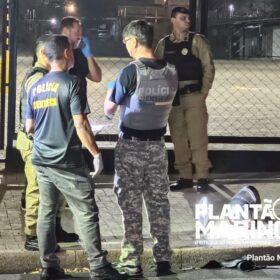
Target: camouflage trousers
[{"x": 141, "y": 172}]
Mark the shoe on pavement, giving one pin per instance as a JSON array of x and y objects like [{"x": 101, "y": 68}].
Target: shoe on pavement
[
  {"x": 31, "y": 244},
  {"x": 181, "y": 184},
  {"x": 53, "y": 273},
  {"x": 132, "y": 271},
  {"x": 202, "y": 185},
  {"x": 164, "y": 268},
  {"x": 62, "y": 235},
  {"x": 106, "y": 273}
]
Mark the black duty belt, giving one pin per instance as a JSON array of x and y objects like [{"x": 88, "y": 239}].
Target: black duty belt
[
  {"x": 141, "y": 138},
  {"x": 189, "y": 89}
]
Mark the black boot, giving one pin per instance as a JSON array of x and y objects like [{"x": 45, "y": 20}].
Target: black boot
[
  {"x": 202, "y": 185},
  {"x": 164, "y": 268},
  {"x": 107, "y": 272},
  {"x": 181, "y": 184},
  {"x": 62, "y": 235},
  {"x": 53, "y": 273}
]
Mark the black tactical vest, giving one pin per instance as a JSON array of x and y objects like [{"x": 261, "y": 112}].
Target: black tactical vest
[
  {"x": 188, "y": 66},
  {"x": 23, "y": 94}
]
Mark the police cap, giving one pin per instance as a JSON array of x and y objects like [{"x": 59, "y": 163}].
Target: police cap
[{"x": 182, "y": 10}]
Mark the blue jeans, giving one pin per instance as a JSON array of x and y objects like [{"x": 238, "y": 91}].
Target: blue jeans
[{"x": 78, "y": 189}]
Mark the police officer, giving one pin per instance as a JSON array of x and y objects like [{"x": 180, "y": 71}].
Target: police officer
[
  {"x": 24, "y": 145},
  {"x": 144, "y": 90},
  {"x": 56, "y": 113},
  {"x": 190, "y": 53}
]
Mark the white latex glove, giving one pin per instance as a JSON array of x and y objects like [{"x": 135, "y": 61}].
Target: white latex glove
[{"x": 97, "y": 164}]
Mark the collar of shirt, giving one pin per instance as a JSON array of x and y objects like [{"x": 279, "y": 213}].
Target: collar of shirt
[
  {"x": 173, "y": 38},
  {"x": 38, "y": 64}
]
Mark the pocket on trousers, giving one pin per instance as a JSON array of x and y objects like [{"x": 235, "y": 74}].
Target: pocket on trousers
[{"x": 23, "y": 143}]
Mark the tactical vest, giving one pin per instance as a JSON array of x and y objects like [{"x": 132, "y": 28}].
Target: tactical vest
[
  {"x": 188, "y": 66},
  {"x": 23, "y": 94},
  {"x": 149, "y": 107}
]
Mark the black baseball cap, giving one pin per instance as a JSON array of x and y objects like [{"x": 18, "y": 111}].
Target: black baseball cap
[{"x": 182, "y": 10}]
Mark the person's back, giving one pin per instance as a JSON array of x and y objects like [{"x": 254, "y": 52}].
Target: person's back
[
  {"x": 56, "y": 113},
  {"x": 57, "y": 143}
]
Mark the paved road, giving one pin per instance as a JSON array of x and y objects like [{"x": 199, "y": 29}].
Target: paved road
[{"x": 271, "y": 274}]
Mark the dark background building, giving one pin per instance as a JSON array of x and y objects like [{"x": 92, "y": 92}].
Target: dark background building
[{"x": 236, "y": 28}]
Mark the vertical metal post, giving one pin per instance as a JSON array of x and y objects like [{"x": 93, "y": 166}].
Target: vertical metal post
[
  {"x": 243, "y": 42},
  {"x": 193, "y": 14},
  {"x": 3, "y": 74},
  {"x": 13, "y": 11},
  {"x": 204, "y": 17}
]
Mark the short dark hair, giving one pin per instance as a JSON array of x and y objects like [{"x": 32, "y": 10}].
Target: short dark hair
[
  {"x": 67, "y": 22},
  {"x": 177, "y": 10},
  {"x": 141, "y": 30},
  {"x": 55, "y": 47},
  {"x": 39, "y": 43}
]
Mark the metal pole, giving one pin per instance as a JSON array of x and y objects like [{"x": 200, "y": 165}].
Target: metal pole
[
  {"x": 3, "y": 75},
  {"x": 193, "y": 14},
  {"x": 204, "y": 17},
  {"x": 13, "y": 10}
]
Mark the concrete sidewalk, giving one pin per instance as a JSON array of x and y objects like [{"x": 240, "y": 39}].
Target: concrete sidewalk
[{"x": 187, "y": 251}]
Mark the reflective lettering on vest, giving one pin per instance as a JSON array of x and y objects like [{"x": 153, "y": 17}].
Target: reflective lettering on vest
[{"x": 159, "y": 95}]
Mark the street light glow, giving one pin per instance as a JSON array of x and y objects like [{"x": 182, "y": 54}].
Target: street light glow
[
  {"x": 231, "y": 10},
  {"x": 70, "y": 8},
  {"x": 53, "y": 21}
]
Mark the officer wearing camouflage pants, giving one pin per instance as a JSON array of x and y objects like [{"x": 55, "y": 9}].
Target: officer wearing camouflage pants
[{"x": 145, "y": 90}]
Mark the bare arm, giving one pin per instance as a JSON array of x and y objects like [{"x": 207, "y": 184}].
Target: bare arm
[
  {"x": 95, "y": 73},
  {"x": 29, "y": 126},
  {"x": 85, "y": 134},
  {"x": 110, "y": 107}
]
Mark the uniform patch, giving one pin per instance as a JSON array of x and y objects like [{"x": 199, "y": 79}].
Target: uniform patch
[{"x": 184, "y": 51}]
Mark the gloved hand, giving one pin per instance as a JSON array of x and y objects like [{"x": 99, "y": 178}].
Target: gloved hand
[
  {"x": 86, "y": 47},
  {"x": 97, "y": 164}
]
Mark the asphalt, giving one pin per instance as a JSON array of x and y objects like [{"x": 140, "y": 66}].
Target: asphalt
[
  {"x": 188, "y": 251},
  {"x": 271, "y": 273}
]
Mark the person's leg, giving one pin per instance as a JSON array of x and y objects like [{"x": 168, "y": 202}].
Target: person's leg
[
  {"x": 61, "y": 234},
  {"x": 180, "y": 139},
  {"x": 49, "y": 196},
  {"x": 31, "y": 197},
  {"x": 197, "y": 118},
  {"x": 78, "y": 190},
  {"x": 128, "y": 185},
  {"x": 156, "y": 200},
  {"x": 24, "y": 145}
]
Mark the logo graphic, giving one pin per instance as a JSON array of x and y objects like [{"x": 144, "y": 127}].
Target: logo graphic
[{"x": 184, "y": 51}]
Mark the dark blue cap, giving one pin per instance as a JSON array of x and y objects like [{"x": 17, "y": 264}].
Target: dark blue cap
[{"x": 182, "y": 10}]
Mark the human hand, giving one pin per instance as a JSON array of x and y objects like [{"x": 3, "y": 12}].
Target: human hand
[
  {"x": 86, "y": 47},
  {"x": 97, "y": 164}
]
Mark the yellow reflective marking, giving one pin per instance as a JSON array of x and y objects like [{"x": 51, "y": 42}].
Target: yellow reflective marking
[{"x": 39, "y": 104}]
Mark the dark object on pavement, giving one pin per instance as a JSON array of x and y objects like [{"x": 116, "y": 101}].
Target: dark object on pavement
[{"x": 181, "y": 184}]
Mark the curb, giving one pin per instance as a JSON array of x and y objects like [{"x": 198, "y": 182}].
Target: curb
[{"x": 196, "y": 257}]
